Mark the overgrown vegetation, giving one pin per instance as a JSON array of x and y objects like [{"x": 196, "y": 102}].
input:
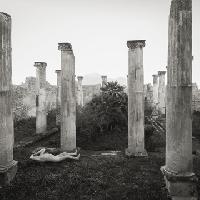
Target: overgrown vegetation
[
  {"x": 26, "y": 128},
  {"x": 195, "y": 124},
  {"x": 102, "y": 124},
  {"x": 105, "y": 113}
]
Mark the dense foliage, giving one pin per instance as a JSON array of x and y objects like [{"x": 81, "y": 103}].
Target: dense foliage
[{"x": 105, "y": 112}]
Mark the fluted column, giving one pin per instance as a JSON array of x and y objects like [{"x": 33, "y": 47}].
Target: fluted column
[
  {"x": 80, "y": 91},
  {"x": 161, "y": 92},
  {"x": 41, "y": 115},
  {"x": 68, "y": 98},
  {"x": 135, "y": 99},
  {"x": 104, "y": 81},
  {"x": 178, "y": 171},
  {"x": 8, "y": 167},
  {"x": 155, "y": 89},
  {"x": 58, "y": 97}
]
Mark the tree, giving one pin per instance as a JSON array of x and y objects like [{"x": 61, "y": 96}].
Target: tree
[{"x": 104, "y": 112}]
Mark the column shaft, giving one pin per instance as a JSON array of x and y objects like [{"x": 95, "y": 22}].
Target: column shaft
[
  {"x": 80, "y": 91},
  {"x": 104, "y": 81},
  {"x": 41, "y": 116},
  {"x": 135, "y": 99},
  {"x": 68, "y": 98},
  {"x": 8, "y": 166},
  {"x": 161, "y": 92},
  {"x": 155, "y": 90},
  {"x": 179, "y": 168},
  {"x": 58, "y": 98}
]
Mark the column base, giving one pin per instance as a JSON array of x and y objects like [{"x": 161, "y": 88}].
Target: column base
[
  {"x": 7, "y": 173},
  {"x": 180, "y": 187},
  {"x": 71, "y": 150},
  {"x": 131, "y": 153}
]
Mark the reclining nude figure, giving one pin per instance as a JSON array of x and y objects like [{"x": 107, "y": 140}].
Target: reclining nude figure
[{"x": 47, "y": 155}]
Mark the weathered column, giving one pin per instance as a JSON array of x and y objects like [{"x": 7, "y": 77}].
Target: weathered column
[
  {"x": 68, "y": 98},
  {"x": 41, "y": 115},
  {"x": 58, "y": 97},
  {"x": 161, "y": 92},
  {"x": 135, "y": 99},
  {"x": 80, "y": 91},
  {"x": 155, "y": 90},
  {"x": 178, "y": 171},
  {"x": 127, "y": 84},
  {"x": 104, "y": 81},
  {"x": 8, "y": 167}
]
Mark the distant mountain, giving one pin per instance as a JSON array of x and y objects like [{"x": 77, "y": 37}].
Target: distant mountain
[{"x": 95, "y": 78}]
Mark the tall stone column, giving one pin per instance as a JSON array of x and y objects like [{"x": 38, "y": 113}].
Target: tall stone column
[
  {"x": 104, "y": 81},
  {"x": 58, "y": 97},
  {"x": 178, "y": 171},
  {"x": 127, "y": 84},
  {"x": 155, "y": 90},
  {"x": 80, "y": 91},
  {"x": 135, "y": 99},
  {"x": 41, "y": 115},
  {"x": 161, "y": 92},
  {"x": 8, "y": 166},
  {"x": 68, "y": 98}
]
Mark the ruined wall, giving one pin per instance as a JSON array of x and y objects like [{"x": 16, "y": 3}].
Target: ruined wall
[{"x": 24, "y": 98}]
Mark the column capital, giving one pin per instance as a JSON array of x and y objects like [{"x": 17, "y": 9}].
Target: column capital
[
  {"x": 57, "y": 71},
  {"x": 80, "y": 78},
  {"x": 40, "y": 64},
  {"x": 6, "y": 16},
  {"x": 155, "y": 75},
  {"x": 155, "y": 78},
  {"x": 64, "y": 46},
  {"x": 103, "y": 77},
  {"x": 160, "y": 73},
  {"x": 133, "y": 44}
]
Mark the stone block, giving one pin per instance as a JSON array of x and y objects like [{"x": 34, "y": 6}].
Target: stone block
[
  {"x": 130, "y": 153},
  {"x": 181, "y": 187},
  {"x": 8, "y": 173}
]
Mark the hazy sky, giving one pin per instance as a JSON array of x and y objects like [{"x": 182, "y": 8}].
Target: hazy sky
[{"x": 98, "y": 31}]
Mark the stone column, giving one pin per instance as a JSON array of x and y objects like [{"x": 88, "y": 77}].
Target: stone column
[
  {"x": 178, "y": 171},
  {"x": 104, "y": 81},
  {"x": 8, "y": 167},
  {"x": 161, "y": 92},
  {"x": 41, "y": 116},
  {"x": 80, "y": 91},
  {"x": 127, "y": 84},
  {"x": 155, "y": 90},
  {"x": 58, "y": 98},
  {"x": 135, "y": 99},
  {"x": 68, "y": 98}
]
